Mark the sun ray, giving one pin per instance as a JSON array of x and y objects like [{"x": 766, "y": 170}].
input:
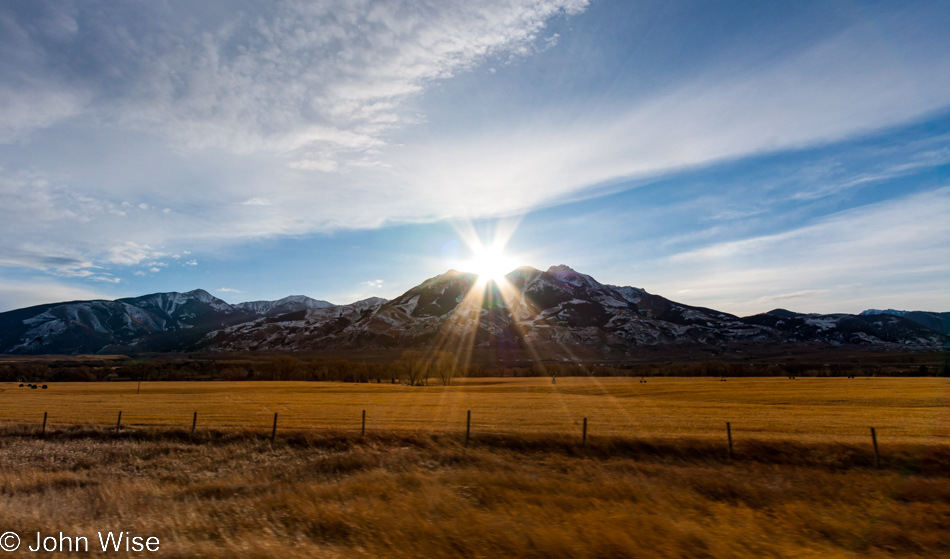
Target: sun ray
[
  {"x": 460, "y": 332},
  {"x": 489, "y": 260}
]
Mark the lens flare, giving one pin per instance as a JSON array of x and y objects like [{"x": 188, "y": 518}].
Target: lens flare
[
  {"x": 490, "y": 263},
  {"x": 487, "y": 246}
]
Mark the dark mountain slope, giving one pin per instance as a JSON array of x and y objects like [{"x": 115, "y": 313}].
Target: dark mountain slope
[
  {"x": 554, "y": 310},
  {"x": 557, "y": 311}
]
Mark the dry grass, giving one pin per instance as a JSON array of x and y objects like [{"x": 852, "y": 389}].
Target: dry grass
[
  {"x": 334, "y": 494},
  {"x": 906, "y": 410},
  {"x": 654, "y": 481}
]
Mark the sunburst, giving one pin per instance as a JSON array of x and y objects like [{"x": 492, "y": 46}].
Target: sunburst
[{"x": 489, "y": 262}]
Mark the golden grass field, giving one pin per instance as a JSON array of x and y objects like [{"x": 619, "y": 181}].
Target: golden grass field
[
  {"x": 333, "y": 494},
  {"x": 910, "y": 410},
  {"x": 654, "y": 480}
]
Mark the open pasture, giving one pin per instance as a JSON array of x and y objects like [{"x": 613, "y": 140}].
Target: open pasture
[
  {"x": 412, "y": 488},
  {"x": 907, "y": 410}
]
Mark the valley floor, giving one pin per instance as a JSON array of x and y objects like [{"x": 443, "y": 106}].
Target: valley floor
[
  {"x": 230, "y": 493},
  {"x": 654, "y": 478},
  {"x": 902, "y": 410}
]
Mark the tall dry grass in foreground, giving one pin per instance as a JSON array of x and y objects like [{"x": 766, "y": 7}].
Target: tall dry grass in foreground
[{"x": 232, "y": 494}]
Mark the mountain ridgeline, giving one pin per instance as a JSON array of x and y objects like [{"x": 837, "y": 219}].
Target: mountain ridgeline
[
  {"x": 554, "y": 312},
  {"x": 152, "y": 323}
]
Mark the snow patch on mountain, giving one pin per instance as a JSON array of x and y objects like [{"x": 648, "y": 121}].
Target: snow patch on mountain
[
  {"x": 872, "y": 312},
  {"x": 558, "y": 309},
  {"x": 289, "y": 304}
]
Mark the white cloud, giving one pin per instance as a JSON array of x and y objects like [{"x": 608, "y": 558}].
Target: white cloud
[
  {"x": 884, "y": 254},
  {"x": 16, "y": 294},
  {"x": 312, "y": 87},
  {"x": 47, "y": 104},
  {"x": 320, "y": 100},
  {"x": 281, "y": 76},
  {"x": 826, "y": 184},
  {"x": 768, "y": 300},
  {"x": 256, "y": 201},
  {"x": 52, "y": 260},
  {"x": 154, "y": 270},
  {"x": 34, "y": 99},
  {"x": 841, "y": 88},
  {"x": 316, "y": 163},
  {"x": 228, "y": 290},
  {"x": 130, "y": 252},
  {"x": 375, "y": 283}
]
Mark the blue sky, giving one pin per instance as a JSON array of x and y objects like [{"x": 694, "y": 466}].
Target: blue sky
[{"x": 737, "y": 155}]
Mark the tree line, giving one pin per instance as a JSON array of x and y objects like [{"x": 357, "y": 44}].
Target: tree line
[{"x": 417, "y": 368}]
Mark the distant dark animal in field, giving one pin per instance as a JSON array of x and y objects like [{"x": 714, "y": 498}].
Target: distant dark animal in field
[
  {"x": 33, "y": 386},
  {"x": 45, "y": 387},
  {"x": 21, "y": 385}
]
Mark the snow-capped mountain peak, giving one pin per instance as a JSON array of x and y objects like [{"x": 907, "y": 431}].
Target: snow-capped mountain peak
[
  {"x": 871, "y": 312},
  {"x": 553, "y": 311},
  {"x": 293, "y": 303},
  {"x": 568, "y": 275}
]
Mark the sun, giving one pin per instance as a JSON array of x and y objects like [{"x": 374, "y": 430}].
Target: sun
[{"x": 490, "y": 263}]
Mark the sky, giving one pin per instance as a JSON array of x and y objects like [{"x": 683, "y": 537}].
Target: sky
[{"x": 743, "y": 156}]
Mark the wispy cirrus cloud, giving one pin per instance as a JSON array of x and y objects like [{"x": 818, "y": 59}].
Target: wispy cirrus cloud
[
  {"x": 842, "y": 87},
  {"x": 17, "y": 293},
  {"x": 302, "y": 88},
  {"x": 840, "y": 263},
  {"x": 129, "y": 133},
  {"x": 228, "y": 290},
  {"x": 256, "y": 201},
  {"x": 312, "y": 88},
  {"x": 130, "y": 252},
  {"x": 321, "y": 80}
]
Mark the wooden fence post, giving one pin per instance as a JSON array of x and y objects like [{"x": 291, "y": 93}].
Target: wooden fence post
[
  {"x": 43, "y": 432},
  {"x": 363, "y": 428},
  {"x": 194, "y": 423},
  {"x": 273, "y": 432},
  {"x": 118, "y": 423},
  {"x": 468, "y": 427},
  {"x": 139, "y": 387},
  {"x": 877, "y": 456},
  {"x": 584, "y": 434},
  {"x": 729, "y": 435}
]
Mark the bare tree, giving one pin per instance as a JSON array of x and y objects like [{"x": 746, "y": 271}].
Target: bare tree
[
  {"x": 446, "y": 366},
  {"x": 414, "y": 367},
  {"x": 285, "y": 367},
  {"x": 392, "y": 371}
]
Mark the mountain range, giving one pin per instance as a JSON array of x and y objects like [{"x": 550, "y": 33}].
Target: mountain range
[
  {"x": 557, "y": 311},
  {"x": 939, "y": 321}
]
